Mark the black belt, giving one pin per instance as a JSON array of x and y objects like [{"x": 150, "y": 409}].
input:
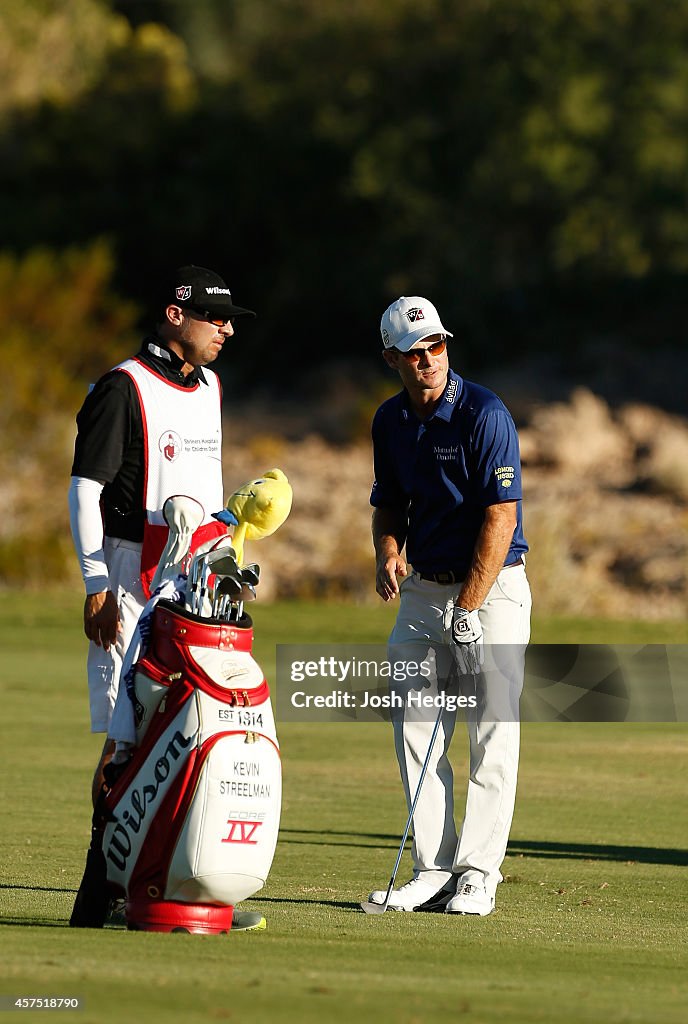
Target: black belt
[{"x": 448, "y": 579}]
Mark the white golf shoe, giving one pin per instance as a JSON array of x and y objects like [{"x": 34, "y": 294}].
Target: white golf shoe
[
  {"x": 470, "y": 899},
  {"x": 417, "y": 893}
]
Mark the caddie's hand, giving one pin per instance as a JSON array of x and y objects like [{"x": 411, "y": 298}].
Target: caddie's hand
[
  {"x": 101, "y": 618},
  {"x": 386, "y": 574},
  {"x": 467, "y": 641}
]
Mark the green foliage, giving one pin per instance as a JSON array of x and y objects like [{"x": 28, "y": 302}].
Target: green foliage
[
  {"x": 63, "y": 328},
  {"x": 506, "y": 156},
  {"x": 52, "y": 51}
]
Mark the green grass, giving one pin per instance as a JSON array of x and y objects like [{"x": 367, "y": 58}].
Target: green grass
[{"x": 590, "y": 925}]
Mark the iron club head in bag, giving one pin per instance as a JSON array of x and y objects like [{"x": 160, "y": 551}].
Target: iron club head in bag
[
  {"x": 226, "y": 587},
  {"x": 251, "y": 574}
]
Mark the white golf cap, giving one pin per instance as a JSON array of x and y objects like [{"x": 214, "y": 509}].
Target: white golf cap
[{"x": 409, "y": 320}]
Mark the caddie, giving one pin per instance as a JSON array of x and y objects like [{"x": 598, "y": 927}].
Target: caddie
[
  {"x": 448, "y": 489},
  {"x": 150, "y": 428}
]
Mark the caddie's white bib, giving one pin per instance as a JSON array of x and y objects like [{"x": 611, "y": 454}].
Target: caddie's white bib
[{"x": 182, "y": 439}]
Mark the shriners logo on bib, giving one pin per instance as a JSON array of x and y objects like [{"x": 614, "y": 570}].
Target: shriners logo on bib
[{"x": 170, "y": 444}]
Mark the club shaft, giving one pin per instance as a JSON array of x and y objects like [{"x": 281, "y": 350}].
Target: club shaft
[{"x": 423, "y": 772}]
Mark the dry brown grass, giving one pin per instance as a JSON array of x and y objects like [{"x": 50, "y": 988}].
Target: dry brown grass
[{"x": 605, "y": 511}]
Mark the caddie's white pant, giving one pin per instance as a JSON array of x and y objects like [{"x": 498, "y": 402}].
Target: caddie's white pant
[
  {"x": 123, "y": 560},
  {"x": 421, "y": 635}
]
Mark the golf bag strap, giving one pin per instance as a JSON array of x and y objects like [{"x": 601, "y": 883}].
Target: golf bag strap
[
  {"x": 154, "y": 541},
  {"x": 179, "y": 692}
]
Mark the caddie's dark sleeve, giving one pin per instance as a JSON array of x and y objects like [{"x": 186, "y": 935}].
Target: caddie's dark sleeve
[{"x": 109, "y": 425}]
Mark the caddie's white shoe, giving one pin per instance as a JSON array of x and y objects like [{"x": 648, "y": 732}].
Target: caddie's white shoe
[
  {"x": 417, "y": 893},
  {"x": 470, "y": 899}
]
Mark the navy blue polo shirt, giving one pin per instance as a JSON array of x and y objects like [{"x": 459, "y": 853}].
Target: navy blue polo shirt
[{"x": 445, "y": 470}]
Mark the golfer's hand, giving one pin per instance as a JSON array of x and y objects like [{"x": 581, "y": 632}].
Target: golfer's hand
[
  {"x": 101, "y": 619},
  {"x": 467, "y": 641},
  {"x": 386, "y": 574}
]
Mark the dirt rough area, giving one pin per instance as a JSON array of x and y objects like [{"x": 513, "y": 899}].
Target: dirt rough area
[{"x": 605, "y": 511}]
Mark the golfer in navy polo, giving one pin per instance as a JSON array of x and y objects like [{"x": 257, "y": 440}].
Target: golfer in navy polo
[{"x": 448, "y": 488}]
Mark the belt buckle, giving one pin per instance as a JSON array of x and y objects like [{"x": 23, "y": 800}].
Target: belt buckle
[{"x": 445, "y": 578}]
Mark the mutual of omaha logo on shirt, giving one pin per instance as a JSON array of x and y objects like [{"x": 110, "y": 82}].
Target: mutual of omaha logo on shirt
[
  {"x": 505, "y": 475},
  {"x": 446, "y": 453}
]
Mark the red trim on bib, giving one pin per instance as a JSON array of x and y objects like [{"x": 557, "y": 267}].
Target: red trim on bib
[{"x": 170, "y": 383}]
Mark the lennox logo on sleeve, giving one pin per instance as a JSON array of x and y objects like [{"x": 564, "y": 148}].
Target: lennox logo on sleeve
[{"x": 505, "y": 475}]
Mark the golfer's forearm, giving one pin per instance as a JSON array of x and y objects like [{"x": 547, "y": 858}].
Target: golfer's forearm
[
  {"x": 87, "y": 532},
  {"x": 389, "y": 532},
  {"x": 488, "y": 557}
]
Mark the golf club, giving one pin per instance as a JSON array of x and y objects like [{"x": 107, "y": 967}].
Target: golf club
[
  {"x": 183, "y": 516},
  {"x": 226, "y": 588},
  {"x": 251, "y": 574},
  {"x": 222, "y": 562},
  {"x": 195, "y": 573},
  {"x": 380, "y": 908}
]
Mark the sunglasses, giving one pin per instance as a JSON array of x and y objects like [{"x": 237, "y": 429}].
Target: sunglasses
[
  {"x": 204, "y": 314},
  {"x": 414, "y": 354}
]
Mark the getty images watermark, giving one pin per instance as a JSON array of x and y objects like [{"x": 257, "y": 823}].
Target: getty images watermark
[{"x": 562, "y": 682}]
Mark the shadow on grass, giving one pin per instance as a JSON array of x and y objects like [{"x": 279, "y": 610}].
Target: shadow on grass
[
  {"x": 598, "y": 851},
  {"x": 31, "y": 922},
  {"x": 516, "y": 848},
  {"x": 37, "y": 888},
  {"x": 338, "y": 904}
]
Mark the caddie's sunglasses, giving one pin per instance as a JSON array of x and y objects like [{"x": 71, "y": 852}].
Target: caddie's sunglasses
[
  {"x": 413, "y": 355},
  {"x": 218, "y": 321}
]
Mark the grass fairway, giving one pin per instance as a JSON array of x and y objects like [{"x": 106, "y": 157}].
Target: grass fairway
[{"x": 590, "y": 925}]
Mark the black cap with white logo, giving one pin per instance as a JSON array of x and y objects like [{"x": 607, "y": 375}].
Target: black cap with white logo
[{"x": 201, "y": 289}]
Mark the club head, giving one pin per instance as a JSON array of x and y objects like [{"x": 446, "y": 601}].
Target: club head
[
  {"x": 182, "y": 513},
  {"x": 374, "y": 908},
  {"x": 251, "y": 574},
  {"x": 223, "y": 564},
  {"x": 228, "y": 586}
]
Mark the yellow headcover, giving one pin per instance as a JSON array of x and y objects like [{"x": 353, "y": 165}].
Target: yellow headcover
[{"x": 261, "y": 506}]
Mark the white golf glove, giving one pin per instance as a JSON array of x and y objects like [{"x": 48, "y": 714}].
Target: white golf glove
[{"x": 467, "y": 641}]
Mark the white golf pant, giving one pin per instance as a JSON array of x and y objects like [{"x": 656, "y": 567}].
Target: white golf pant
[
  {"x": 123, "y": 560},
  {"x": 421, "y": 633}
]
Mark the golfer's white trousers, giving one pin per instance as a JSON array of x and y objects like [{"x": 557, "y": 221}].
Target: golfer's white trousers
[{"x": 422, "y": 635}]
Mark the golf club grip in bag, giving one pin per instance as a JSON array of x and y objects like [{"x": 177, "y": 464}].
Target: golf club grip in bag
[{"x": 194, "y": 818}]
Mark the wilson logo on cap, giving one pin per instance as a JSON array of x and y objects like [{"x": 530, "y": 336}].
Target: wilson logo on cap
[
  {"x": 415, "y": 314},
  {"x": 183, "y": 292}
]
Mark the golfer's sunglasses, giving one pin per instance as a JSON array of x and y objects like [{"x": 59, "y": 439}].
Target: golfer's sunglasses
[
  {"x": 414, "y": 354},
  {"x": 218, "y": 321}
]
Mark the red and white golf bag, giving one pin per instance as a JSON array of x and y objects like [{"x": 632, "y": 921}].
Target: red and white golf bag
[{"x": 193, "y": 821}]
